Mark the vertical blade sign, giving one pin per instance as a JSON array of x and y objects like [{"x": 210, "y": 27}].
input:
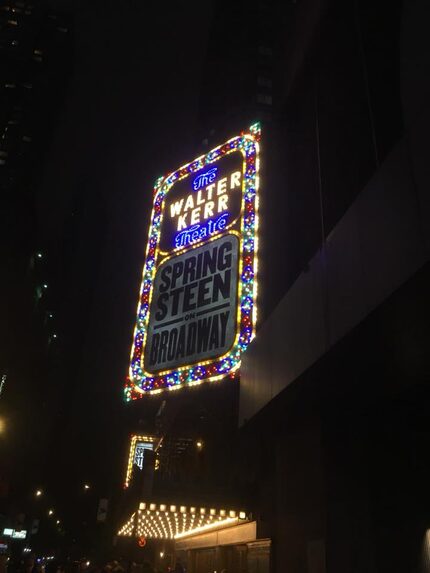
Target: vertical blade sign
[{"x": 197, "y": 306}]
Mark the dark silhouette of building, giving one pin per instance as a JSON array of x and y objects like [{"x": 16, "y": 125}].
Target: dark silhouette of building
[
  {"x": 35, "y": 65},
  {"x": 330, "y": 452}
]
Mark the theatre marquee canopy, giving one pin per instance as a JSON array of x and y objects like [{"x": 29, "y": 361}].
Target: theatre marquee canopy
[
  {"x": 163, "y": 521},
  {"x": 197, "y": 307}
]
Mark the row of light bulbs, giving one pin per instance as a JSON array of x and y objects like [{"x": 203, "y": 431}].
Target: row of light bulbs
[{"x": 161, "y": 522}]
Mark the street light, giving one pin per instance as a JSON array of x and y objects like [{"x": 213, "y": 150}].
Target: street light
[
  {"x": 199, "y": 444},
  {"x": 38, "y": 492},
  {"x": 86, "y": 486},
  {"x": 2, "y": 425},
  {"x": 51, "y": 512}
]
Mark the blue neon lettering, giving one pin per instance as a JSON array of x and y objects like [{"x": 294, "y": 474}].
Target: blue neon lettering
[
  {"x": 204, "y": 178},
  {"x": 199, "y": 232}
]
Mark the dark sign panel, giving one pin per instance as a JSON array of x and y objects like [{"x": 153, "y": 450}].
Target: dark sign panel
[{"x": 197, "y": 305}]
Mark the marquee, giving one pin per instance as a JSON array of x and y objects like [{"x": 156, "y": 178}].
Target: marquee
[{"x": 197, "y": 306}]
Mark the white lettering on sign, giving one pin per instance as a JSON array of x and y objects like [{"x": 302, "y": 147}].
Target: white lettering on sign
[
  {"x": 19, "y": 534},
  {"x": 208, "y": 202},
  {"x": 204, "y": 178},
  {"x": 139, "y": 452}
]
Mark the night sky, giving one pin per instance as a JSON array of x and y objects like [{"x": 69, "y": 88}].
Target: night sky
[{"x": 129, "y": 116}]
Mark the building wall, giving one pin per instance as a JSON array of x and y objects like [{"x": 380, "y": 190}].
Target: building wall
[
  {"x": 35, "y": 68},
  {"x": 349, "y": 264},
  {"x": 334, "y": 388},
  {"x": 335, "y": 467},
  {"x": 234, "y": 549},
  {"x": 336, "y": 116},
  {"x": 375, "y": 248}
]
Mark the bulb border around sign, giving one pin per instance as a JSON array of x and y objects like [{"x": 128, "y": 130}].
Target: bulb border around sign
[{"x": 139, "y": 382}]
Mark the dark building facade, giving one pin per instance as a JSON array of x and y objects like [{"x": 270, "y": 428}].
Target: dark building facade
[
  {"x": 330, "y": 452},
  {"x": 35, "y": 66},
  {"x": 332, "y": 391}
]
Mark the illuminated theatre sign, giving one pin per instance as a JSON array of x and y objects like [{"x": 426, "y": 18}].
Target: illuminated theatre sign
[
  {"x": 138, "y": 446},
  {"x": 197, "y": 306}
]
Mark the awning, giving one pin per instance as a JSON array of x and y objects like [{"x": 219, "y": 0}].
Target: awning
[{"x": 162, "y": 521}]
